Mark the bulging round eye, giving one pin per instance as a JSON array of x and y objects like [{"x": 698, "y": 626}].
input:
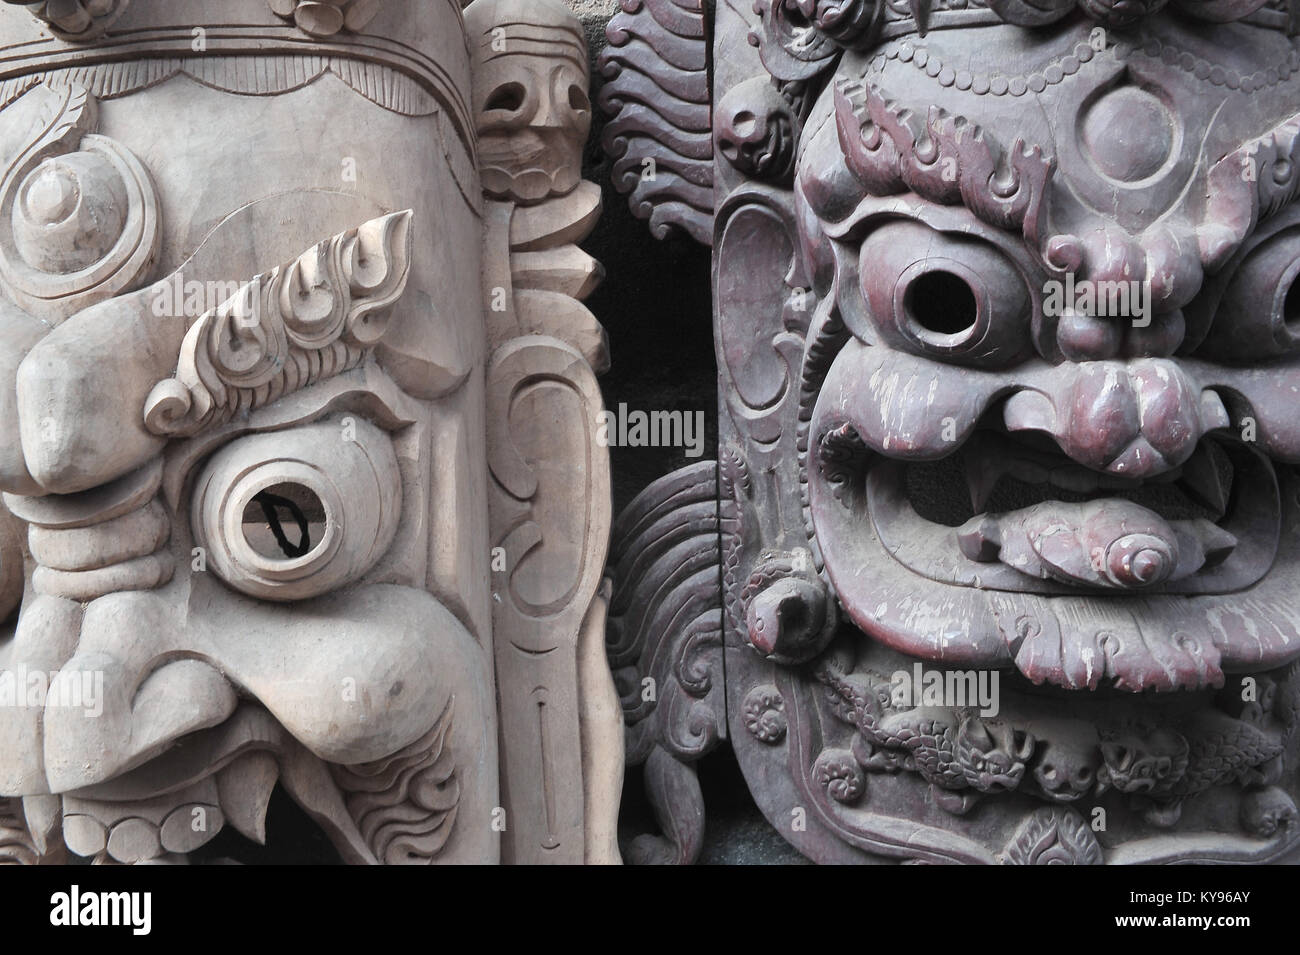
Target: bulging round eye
[
  {"x": 950, "y": 296},
  {"x": 295, "y": 514},
  {"x": 1259, "y": 313}
]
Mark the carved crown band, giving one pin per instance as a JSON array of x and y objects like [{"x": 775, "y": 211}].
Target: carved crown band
[
  {"x": 507, "y": 39},
  {"x": 423, "y": 41},
  {"x": 797, "y": 37}
]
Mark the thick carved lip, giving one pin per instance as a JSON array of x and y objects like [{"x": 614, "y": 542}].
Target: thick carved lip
[
  {"x": 1219, "y": 515},
  {"x": 244, "y": 788},
  {"x": 907, "y": 582}
]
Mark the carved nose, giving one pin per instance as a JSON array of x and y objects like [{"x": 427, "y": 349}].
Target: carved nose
[
  {"x": 1133, "y": 419},
  {"x": 547, "y": 116},
  {"x": 1065, "y": 779},
  {"x": 115, "y": 704},
  {"x": 19, "y": 333}
]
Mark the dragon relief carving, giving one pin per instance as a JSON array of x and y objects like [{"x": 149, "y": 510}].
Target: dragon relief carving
[
  {"x": 1157, "y": 764},
  {"x": 664, "y": 643},
  {"x": 959, "y": 753}
]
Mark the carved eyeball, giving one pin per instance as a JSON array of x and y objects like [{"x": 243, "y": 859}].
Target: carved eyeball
[
  {"x": 84, "y": 227},
  {"x": 295, "y": 514},
  {"x": 952, "y": 297},
  {"x": 70, "y": 212},
  {"x": 1259, "y": 313}
]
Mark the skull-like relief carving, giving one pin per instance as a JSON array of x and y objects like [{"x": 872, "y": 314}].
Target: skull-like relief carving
[{"x": 531, "y": 101}]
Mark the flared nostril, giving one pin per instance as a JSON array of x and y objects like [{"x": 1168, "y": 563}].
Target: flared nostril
[
  {"x": 1134, "y": 419},
  {"x": 1111, "y": 255},
  {"x": 1158, "y": 337},
  {"x": 1088, "y": 337}
]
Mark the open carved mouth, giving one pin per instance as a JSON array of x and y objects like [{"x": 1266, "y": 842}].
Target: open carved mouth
[
  {"x": 224, "y": 776},
  {"x": 1016, "y": 514},
  {"x": 1005, "y": 552}
]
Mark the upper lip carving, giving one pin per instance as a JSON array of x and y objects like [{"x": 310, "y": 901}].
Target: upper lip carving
[{"x": 1131, "y": 485}]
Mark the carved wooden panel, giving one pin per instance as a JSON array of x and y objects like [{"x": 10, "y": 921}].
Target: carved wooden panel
[
  {"x": 301, "y": 485},
  {"x": 1006, "y": 459}
]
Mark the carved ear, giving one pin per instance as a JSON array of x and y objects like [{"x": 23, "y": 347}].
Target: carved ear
[
  {"x": 549, "y": 506},
  {"x": 764, "y": 304}
]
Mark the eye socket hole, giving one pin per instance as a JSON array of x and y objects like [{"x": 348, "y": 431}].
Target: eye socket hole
[
  {"x": 578, "y": 98},
  {"x": 1291, "y": 306},
  {"x": 508, "y": 96},
  {"x": 284, "y": 521},
  {"x": 942, "y": 303}
]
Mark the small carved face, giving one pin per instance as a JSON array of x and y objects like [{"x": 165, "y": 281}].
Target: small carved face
[
  {"x": 531, "y": 104},
  {"x": 992, "y": 755},
  {"x": 753, "y": 131},
  {"x": 1146, "y": 764},
  {"x": 1042, "y": 296},
  {"x": 1065, "y": 770}
]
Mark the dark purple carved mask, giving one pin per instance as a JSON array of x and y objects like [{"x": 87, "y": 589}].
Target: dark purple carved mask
[{"x": 1061, "y": 367}]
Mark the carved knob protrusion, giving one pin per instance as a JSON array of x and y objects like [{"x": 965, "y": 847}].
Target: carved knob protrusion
[
  {"x": 70, "y": 212},
  {"x": 324, "y": 18},
  {"x": 789, "y": 616},
  {"x": 84, "y": 226},
  {"x": 1140, "y": 560},
  {"x": 75, "y": 20}
]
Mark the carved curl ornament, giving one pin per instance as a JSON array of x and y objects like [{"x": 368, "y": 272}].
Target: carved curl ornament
[
  {"x": 325, "y": 18},
  {"x": 75, "y": 20},
  {"x": 798, "y": 37}
]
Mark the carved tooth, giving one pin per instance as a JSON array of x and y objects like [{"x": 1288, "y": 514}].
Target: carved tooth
[
  {"x": 43, "y": 814},
  {"x": 980, "y": 539},
  {"x": 1029, "y": 411},
  {"x": 1214, "y": 414},
  {"x": 244, "y": 791},
  {"x": 1202, "y": 478},
  {"x": 982, "y": 476},
  {"x": 1217, "y": 543}
]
